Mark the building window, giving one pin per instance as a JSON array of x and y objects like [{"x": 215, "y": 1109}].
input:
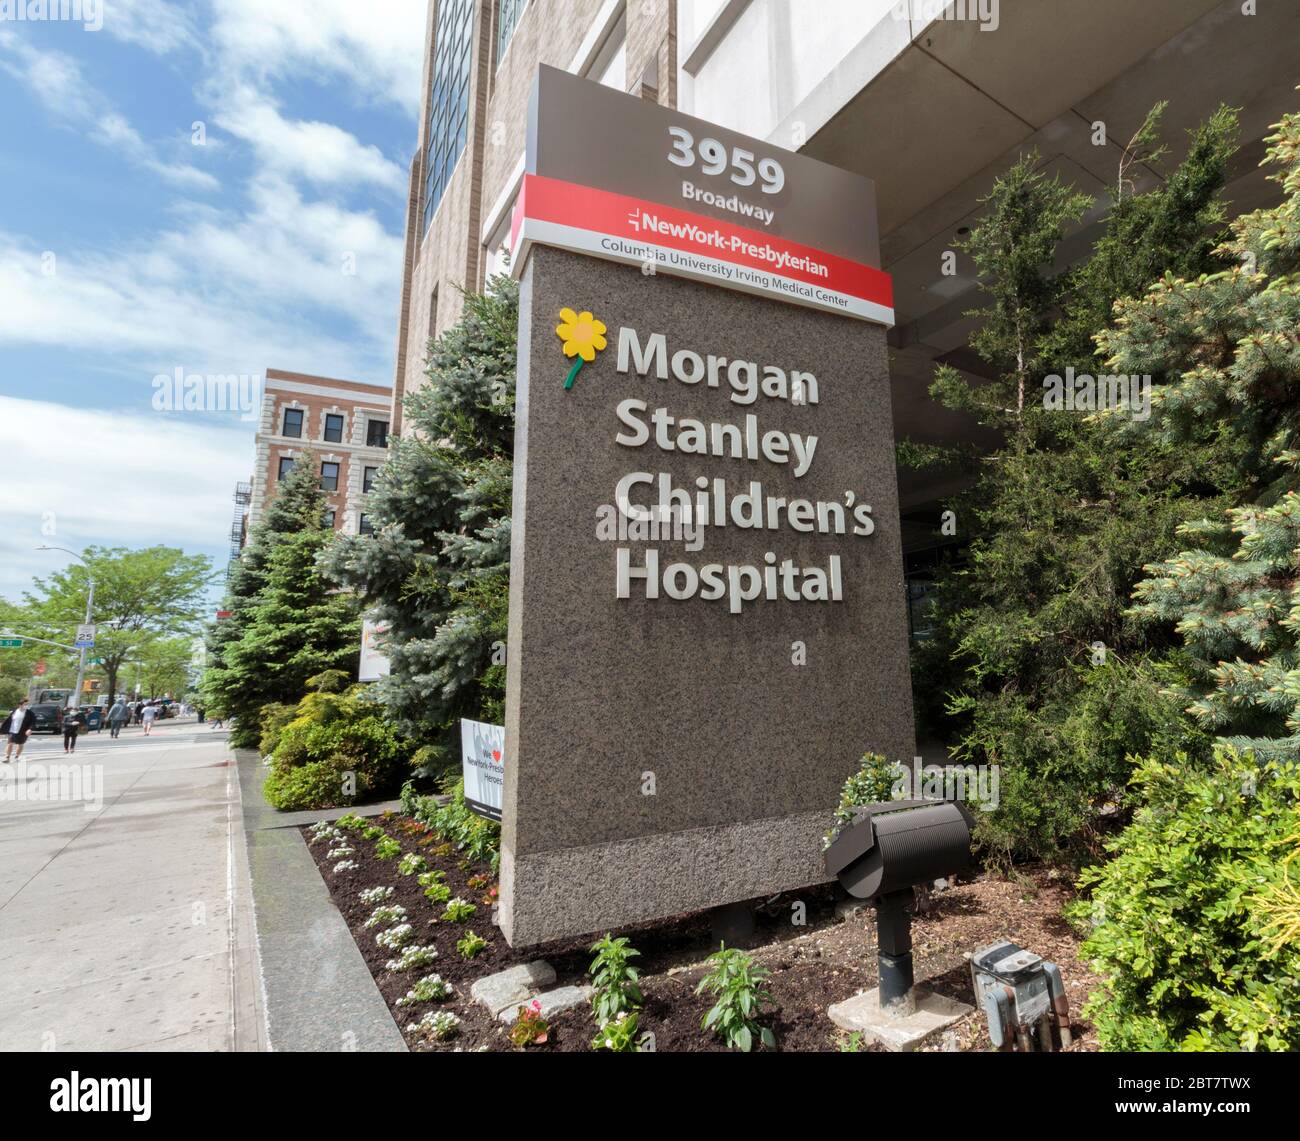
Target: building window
[
  {"x": 448, "y": 100},
  {"x": 293, "y": 422},
  {"x": 286, "y": 466},
  {"x": 329, "y": 476},
  {"x": 508, "y": 12},
  {"x": 364, "y": 527},
  {"x": 377, "y": 434},
  {"x": 333, "y": 428},
  {"x": 368, "y": 478},
  {"x": 328, "y": 518}
]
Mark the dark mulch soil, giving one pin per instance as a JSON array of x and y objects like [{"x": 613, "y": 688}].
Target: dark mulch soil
[{"x": 812, "y": 966}]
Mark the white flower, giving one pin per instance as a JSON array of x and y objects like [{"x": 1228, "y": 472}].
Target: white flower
[
  {"x": 388, "y": 913},
  {"x": 441, "y": 1024},
  {"x": 340, "y": 853},
  {"x": 375, "y": 894},
  {"x": 346, "y": 866},
  {"x": 413, "y": 956},
  {"x": 394, "y": 937}
]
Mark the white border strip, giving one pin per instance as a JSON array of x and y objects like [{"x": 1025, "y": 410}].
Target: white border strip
[{"x": 698, "y": 267}]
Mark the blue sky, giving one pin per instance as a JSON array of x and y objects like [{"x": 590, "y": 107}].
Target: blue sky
[{"x": 217, "y": 187}]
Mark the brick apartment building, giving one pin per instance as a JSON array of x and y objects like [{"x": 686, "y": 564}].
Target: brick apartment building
[
  {"x": 342, "y": 425},
  {"x": 931, "y": 100}
]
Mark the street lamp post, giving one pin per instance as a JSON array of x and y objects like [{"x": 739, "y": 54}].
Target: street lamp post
[{"x": 90, "y": 603}]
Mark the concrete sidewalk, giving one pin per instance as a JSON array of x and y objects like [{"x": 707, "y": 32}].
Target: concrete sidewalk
[{"x": 127, "y": 924}]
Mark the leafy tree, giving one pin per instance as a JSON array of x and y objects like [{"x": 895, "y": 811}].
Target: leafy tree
[
  {"x": 1043, "y": 670},
  {"x": 287, "y": 623},
  {"x": 1229, "y": 344},
  {"x": 437, "y": 567},
  {"x": 1195, "y": 923},
  {"x": 140, "y": 596},
  {"x": 164, "y": 665}
]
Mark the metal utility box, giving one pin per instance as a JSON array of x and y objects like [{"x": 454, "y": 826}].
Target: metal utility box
[
  {"x": 880, "y": 856},
  {"x": 893, "y": 846},
  {"x": 1019, "y": 992}
]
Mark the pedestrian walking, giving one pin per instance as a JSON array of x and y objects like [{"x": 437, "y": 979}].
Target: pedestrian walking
[
  {"x": 147, "y": 717},
  {"x": 17, "y": 728},
  {"x": 139, "y": 712},
  {"x": 117, "y": 716},
  {"x": 74, "y": 721}
]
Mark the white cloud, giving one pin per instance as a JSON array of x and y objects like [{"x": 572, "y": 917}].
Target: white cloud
[
  {"x": 221, "y": 292},
  {"x": 155, "y": 25},
  {"x": 110, "y": 478},
  {"x": 56, "y": 78},
  {"x": 377, "y": 46},
  {"x": 321, "y": 153}
]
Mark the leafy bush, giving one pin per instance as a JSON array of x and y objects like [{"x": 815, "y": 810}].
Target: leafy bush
[
  {"x": 476, "y": 836},
  {"x": 386, "y": 848},
  {"x": 872, "y": 783},
  {"x": 738, "y": 984},
  {"x": 1189, "y": 920},
  {"x": 615, "y": 981},
  {"x": 337, "y": 749},
  {"x": 273, "y": 718}
]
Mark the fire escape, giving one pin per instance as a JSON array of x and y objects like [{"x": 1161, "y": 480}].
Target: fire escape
[{"x": 243, "y": 496}]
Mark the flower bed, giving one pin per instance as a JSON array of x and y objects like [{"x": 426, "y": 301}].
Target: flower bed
[{"x": 811, "y": 965}]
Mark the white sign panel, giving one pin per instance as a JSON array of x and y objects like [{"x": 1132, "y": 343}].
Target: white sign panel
[
  {"x": 483, "y": 761},
  {"x": 374, "y": 663},
  {"x": 85, "y": 636}
]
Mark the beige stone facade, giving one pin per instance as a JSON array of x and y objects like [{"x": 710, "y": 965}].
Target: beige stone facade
[
  {"x": 625, "y": 44},
  {"x": 295, "y": 420}
]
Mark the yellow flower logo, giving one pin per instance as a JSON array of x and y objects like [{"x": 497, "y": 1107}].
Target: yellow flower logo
[{"x": 583, "y": 337}]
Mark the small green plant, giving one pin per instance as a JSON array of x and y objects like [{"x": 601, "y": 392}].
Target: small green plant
[
  {"x": 387, "y": 849},
  {"x": 371, "y": 832},
  {"x": 426, "y": 879},
  {"x": 530, "y": 1028},
  {"x": 413, "y": 956},
  {"x": 852, "y": 1044},
  {"x": 737, "y": 983},
  {"x": 470, "y": 944},
  {"x": 619, "y": 1035},
  {"x": 458, "y": 910},
  {"x": 411, "y": 864},
  {"x": 394, "y": 937},
  {"x": 352, "y": 822},
  {"x": 873, "y": 782},
  {"x": 440, "y": 1024},
  {"x": 385, "y": 915},
  {"x": 431, "y": 988},
  {"x": 615, "y": 980},
  {"x": 437, "y": 893}
]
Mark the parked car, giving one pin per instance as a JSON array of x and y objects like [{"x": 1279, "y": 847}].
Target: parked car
[{"x": 49, "y": 717}]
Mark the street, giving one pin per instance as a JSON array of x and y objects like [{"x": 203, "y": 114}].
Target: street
[{"x": 124, "y": 922}]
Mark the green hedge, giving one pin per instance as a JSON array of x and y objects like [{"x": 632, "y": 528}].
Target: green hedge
[
  {"x": 1194, "y": 921},
  {"x": 337, "y": 749}
]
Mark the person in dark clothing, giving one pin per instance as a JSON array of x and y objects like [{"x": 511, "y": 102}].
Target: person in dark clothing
[
  {"x": 17, "y": 728},
  {"x": 74, "y": 722}
]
